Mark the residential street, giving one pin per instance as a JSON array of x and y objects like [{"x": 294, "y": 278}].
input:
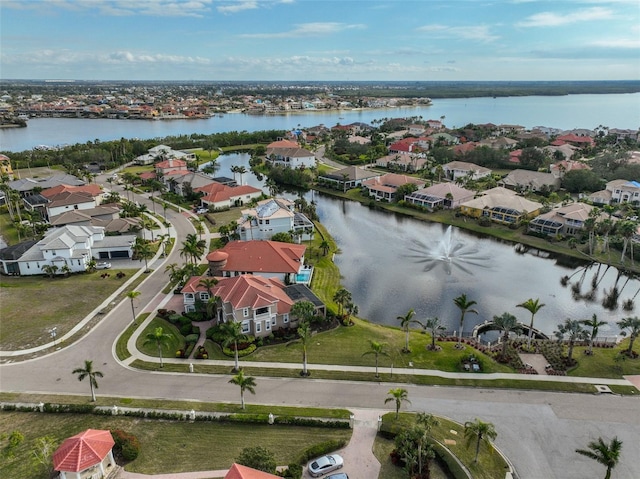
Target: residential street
[{"x": 538, "y": 431}]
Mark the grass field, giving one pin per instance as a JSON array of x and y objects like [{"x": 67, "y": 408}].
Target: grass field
[
  {"x": 31, "y": 305},
  {"x": 166, "y": 446}
]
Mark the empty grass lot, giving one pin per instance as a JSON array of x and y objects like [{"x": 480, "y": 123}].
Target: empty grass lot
[
  {"x": 31, "y": 305},
  {"x": 166, "y": 446}
]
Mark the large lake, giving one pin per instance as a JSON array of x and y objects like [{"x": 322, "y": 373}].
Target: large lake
[
  {"x": 386, "y": 261},
  {"x": 565, "y": 112}
]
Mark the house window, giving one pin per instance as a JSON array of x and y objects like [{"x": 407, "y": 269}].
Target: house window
[
  {"x": 188, "y": 297},
  {"x": 285, "y": 318},
  {"x": 246, "y": 327},
  {"x": 189, "y": 308},
  {"x": 245, "y": 312},
  {"x": 267, "y": 325},
  {"x": 259, "y": 327},
  {"x": 273, "y": 321},
  {"x": 262, "y": 310},
  {"x": 204, "y": 296},
  {"x": 266, "y": 222}
]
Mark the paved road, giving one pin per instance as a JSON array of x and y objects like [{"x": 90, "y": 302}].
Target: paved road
[{"x": 537, "y": 431}]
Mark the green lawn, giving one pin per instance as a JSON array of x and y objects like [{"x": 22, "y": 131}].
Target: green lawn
[
  {"x": 602, "y": 364},
  {"x": 31, "y": 305},
  {"x": 166, "y": 446},
  {"x": 169, "y": 349}
]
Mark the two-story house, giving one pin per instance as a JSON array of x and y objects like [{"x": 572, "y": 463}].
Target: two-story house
[
  {"x": 618, "y": 191},
  {"x": 462, "y": 169},
  {"x": 260, "y": 304},
  {"x": 219, "y": 196},
  {"x": 568, "y": 220},
  {"x": 271, "y": 216}
]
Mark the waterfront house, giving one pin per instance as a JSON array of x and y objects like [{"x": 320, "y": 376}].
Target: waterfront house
[
  {"x": 446, "y": 195},
  {"x": 218, "y": 196},
  {"x": 26, "y": 186},
  {"x": 347, "y": 178},
  {"x": 260, "y": 304},
  {"x": 501, "y": 206},
  {"x": 164, "y": 168},
  {"x": 72, "y": 247},
  {"x": 384, "y": 187},
  {"x": 270, "y": 259},
  {"x": 178, "y": 183},
  {"x": 291, "y": 157},
  {"x": 271, "y": 216},
  {"x": 463, "y": 170},
  {"x": 527, "y": 180},
  {"x": 566, "y": 220}
]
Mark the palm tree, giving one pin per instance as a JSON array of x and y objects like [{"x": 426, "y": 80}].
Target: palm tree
[
  {"x": 88, "y": 372},
  {"x": 594, "y": 324},
  {"x": 478, "y": 430},
  {"x": 304, "y": 332},
  {"x": 506, "y": 323},
  {"x": 232, "y": 333},
  {"x": 533, "y": 306},
  {"x": 144, "y": 252},
  {"x": 303, "y": 311},
  {"x": 133, "y": 295},
  {"x": 342, "y": 297},
  {"x": 573, "y": 331},
  {"x": 50, "y": 269},
  {"x": 208, "y": 283},
  {"x": 435, "y": 327},
  {"x": 405, "y": 321},
  {"x": 325, "y": 247},
  {"x": 377, "y": 349},
  {"x": 246, "y": 383},
  {"x": 464, "y": 305},
  {"x": 193, "y": 248},
  {"x": 241, "y": 170},
  {"x": 606, "y": 454},
  {"x": 398, "y": 395},
  {"x": 161, "y": 339},
  {"x": 633, "y": 325},
  {"x": 626, "y": 229}
]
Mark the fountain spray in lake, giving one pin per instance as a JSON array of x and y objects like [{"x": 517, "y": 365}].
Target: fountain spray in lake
[{"x": 449, "y": 253}]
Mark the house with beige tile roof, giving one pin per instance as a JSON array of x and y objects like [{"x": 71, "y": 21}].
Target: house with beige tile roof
[
  {"x": 527, "y": 180},
  {"x": 271, "y": 216},
  {"x": 446, "y": 195},
  {"x": 462, "y": 169},
  {"x": 69, "y": 201},
  {"x": 270, "y": 259},
  {"x": 347, "y": 178},
  {"x": 384, "y": 187},
  {"x": 567, "y": 220},
  {"x": 501, "y": 208},
  {"x": 261, "y": 305}
]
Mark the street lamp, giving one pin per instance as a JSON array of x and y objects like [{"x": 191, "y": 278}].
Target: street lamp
[{"x": 54, "y": 333}]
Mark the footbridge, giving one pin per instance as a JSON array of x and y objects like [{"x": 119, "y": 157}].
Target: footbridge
[{"x": 489, "y": 325}]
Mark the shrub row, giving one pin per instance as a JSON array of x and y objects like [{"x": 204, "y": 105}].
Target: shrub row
[{"x": 321, "y": 449}]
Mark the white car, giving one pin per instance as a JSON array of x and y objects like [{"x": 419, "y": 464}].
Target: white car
[
  {"x": 325, "y": 464},
  {"x": 202, "y": 210},
  {"x": 103, "y": 265}
]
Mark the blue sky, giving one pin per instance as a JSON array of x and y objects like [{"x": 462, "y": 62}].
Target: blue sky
[{"x": 350, "y": 40}]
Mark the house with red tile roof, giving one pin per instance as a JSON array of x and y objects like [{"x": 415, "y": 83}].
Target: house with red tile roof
[
  {"x": 238, "y": 471},
  {"x": 91, "y": 188},
  {"x": 384, "y": 187},
  {"x": 282, "y": 143},
  {"x": 88, "y": 454},
  {"x": 218, "y": 196},
  {"x": 69, "y": 201},
  {"x": 410, "y": 145},
  {"x": 560, "y": 168},
  {"x": 172, "y": 164},
  {"x": 260, "y": 304},
  {"x": 575, "y": 140},
  {"x": 270, "y": 259}
]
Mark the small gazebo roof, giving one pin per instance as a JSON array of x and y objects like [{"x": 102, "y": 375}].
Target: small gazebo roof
[{"x": 83, "y": 451}]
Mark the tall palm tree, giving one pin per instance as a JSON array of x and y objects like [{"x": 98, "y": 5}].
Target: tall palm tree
[
  {"x": 626, "y": 229},
  {"x": 405, "y": 321},
  {"x": 160, "y": 338},
  {"x": 606, "y": 454},
  {"x": 573, "y": 331},
  {"x": 232, "y": 333},
  {"x": 144, "y": 252},
  {"x": 325, "y": 247},
  {"x": 241, "y": 170},
  {"x": 464, "y": 305},
  {"x": 246, "y": 383},
  {"x": 342, "y": 297},
  {"x": 133, "y": 295},
  {"x": 303, "y": 311},
  {"x": 478, "y": 430},
  {"x": 88, "y": 372},
  {"x": 378, "y": 350},
  {"x": 533, "y": 306},
  {"x": 594, "y": 324},
  {"x": 398, "y": 395},
  {"x": 506, "y": 323},
  {"x": 633, "y": 325},
  {"x": 193, "y": 248},
  {"x": 304, "y": 332}
]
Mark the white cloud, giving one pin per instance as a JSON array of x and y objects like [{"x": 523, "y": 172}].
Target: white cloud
[
  {"x": 479, "y": 32},
  {"x": 552, "y": 19},
  {"x": 314, "y": 29},
  {"x": 238, "y": 6},
  {"x": 52, "y": 57}
]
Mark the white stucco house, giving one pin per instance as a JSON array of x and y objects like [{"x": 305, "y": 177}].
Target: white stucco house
[
  {"x": 271, "y": 216},
  {"x": 71, "y": 247}
]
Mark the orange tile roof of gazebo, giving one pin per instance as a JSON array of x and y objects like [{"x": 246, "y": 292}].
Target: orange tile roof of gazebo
[{"x": 83, "y": 450}]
